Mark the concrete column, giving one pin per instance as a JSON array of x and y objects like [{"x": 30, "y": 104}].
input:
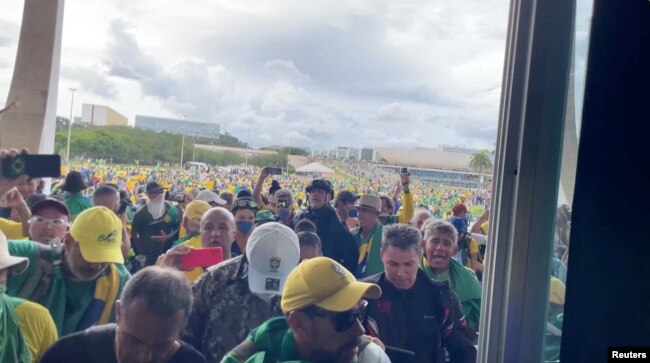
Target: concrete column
[{"x": 36, "y": 79}]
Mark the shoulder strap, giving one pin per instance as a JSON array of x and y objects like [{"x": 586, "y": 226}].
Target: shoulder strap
[{"x": 48, "y": 259}]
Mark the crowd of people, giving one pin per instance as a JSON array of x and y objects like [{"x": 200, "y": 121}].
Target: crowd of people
[{"x": 352, "y": 268}]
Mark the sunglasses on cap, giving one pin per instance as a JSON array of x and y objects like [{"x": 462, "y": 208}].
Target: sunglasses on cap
[
  {"x": 246, "y": 204},
  {"x": 283, "y": 203},
  {"x": 341, "y": 321}
]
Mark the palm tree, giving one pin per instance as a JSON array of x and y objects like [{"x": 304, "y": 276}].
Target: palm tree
[{"x": 480, "y": 161}]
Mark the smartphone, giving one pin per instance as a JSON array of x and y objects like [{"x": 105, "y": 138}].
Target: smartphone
[
  {"x": 34, "y": 165},
  {"x": 275, "y": 171},
  {"x": 202, "y": 257},
  {"x": 404, "y": 171}
]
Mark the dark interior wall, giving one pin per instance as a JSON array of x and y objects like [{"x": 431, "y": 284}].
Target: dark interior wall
[{"x": 608, "y": 285}]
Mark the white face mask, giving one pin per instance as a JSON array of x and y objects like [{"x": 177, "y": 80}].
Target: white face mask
[{"x": 156, "y": 207}]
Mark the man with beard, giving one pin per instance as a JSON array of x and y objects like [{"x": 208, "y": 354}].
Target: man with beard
[
  {"x": 237, "y": 295},
  {"x": 337, "y": 241},
  {"x": 152, "y": 224},
  {"x": 77, "y": 281},
  {"x": 323, "y": 305}
]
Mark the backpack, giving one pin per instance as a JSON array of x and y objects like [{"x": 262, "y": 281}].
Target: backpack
[{"x": 49, "y": 259}]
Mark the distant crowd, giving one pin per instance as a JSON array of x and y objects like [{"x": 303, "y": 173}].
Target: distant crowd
[{"x": 135, "y": 264}]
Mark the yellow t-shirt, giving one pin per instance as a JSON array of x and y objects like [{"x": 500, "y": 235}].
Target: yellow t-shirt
[
  {"x": 11, "y": 229},
  {"x": 485, "y": 226},
  {"x": 37, "y": 327},
  {"x": 194, "y": 274},
  {"x": 473, "y": 248}
]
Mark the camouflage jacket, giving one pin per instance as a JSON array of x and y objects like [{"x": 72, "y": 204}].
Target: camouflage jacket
[{"x": 225, "y": 311}]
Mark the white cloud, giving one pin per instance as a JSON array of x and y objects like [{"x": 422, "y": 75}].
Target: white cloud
[
  {"x": 285, "y": 70},
  {"x": 394, "y": 112},
  {"x": 319, "y": 73}
]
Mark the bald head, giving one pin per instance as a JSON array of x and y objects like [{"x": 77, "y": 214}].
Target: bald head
[{"x": 218, "y": 229}]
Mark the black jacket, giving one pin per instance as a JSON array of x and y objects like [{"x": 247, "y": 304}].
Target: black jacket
[
  {"x": 337, "y": 242},
  {"x": 422, "y": 320}
]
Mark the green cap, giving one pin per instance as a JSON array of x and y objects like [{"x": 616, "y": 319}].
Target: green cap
[{"x": 265, "y": 215}]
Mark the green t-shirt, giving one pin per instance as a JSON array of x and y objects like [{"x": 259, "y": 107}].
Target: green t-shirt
[
  {"x": 67, "y": 301},
  {"x": 145, "y": 226},
  {"x": 77, "y": 203},
  {"x": 13, "y": 347},
  {"x": 268, "y": 343},
  {"x": 464, "y": 283}
]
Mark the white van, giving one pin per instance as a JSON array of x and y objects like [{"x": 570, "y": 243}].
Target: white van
[{"x": 196, "y": 166}]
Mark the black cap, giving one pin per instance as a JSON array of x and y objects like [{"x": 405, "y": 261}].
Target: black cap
[
  {"x": 245, "y": 203},
  {"x": 152, "y": 186},
  {"x": 322, "y": 184},
  {"x": 50, "y": 203},
  {"x": 275, "y": 186},
  {"x": 346, "y": 196}
]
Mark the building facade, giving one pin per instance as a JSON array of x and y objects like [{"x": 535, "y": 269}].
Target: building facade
[
  {"x": 99, "y": 115},
  {"x": 180, "y": 127}
]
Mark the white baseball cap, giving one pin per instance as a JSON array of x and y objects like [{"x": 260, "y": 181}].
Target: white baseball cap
[
  {"x": 210, "y": 197},
  {"x": 19, "y": 264},
  {"x": 272, "y": 252}
]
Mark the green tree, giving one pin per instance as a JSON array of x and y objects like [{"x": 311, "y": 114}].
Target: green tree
[
  {"x": 480, "y": 161},
  {"x": 124, "y": 144}
]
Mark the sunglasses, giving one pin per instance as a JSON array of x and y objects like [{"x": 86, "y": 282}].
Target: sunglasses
[
  {"x": 246, "y": 204},
  {"x": 283, "y": 203},
  {"x": 57, "y": 222},
  {"x": 342, "y": 321}
]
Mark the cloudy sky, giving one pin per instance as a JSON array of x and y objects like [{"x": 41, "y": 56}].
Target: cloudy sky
[{"x": 320, "y": 74}]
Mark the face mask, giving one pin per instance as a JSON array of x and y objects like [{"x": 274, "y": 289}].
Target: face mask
[
  {"x": 284, "y": 214},
  {"x": 244, "y": 227},
  {"x": 353, "y": 213}
]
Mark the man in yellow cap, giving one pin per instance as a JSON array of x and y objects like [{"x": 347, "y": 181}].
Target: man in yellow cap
[
  {"x": 77, "y": 279},
  {"x": 192, "y": 224},
  {"x": 323, "y": 305}
]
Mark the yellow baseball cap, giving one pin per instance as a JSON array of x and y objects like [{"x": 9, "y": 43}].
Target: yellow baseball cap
[
  {"x": 323, "y": 282},
  {"x": 99, "y": 233},
  {"x": 195, "y": 210}
]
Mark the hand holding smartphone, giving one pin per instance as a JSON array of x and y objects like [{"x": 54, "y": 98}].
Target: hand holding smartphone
[
  {"x": 274, "y": 171},
  {"x": 202, "y": 257}
]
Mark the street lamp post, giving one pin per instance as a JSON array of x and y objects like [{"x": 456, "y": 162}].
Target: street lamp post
[
  {"x": 182, "y": 148},
  {"x": 67, "y": 152},
  {"x": 183, "y": 140},
  {"x": 288, "y": 155}
]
